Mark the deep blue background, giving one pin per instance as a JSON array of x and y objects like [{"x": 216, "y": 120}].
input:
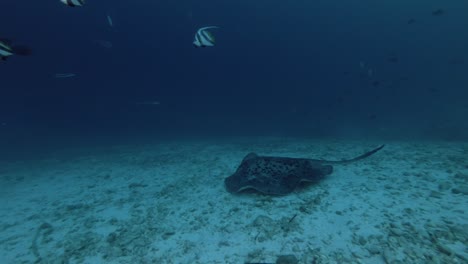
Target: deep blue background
[{"x": 279, "y": 68}]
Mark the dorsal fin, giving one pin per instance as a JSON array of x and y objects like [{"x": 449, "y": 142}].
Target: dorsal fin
[
  {"x": 6, "y": 41},
  {"x": 208, "y": 27}
]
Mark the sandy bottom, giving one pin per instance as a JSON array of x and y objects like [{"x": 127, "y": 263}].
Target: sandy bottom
[{"x": 166, "y": 203}]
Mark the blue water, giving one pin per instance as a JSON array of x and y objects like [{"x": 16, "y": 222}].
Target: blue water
[{"x": 333, "y": 69}]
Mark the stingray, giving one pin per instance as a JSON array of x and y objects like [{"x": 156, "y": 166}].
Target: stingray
[{"x": 273, "y": 175}]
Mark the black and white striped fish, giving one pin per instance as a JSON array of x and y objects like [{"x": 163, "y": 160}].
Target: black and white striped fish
[
  {"x": 204, "y": 38},
  {"x": 73, "y": 3},
  {"x": 7, "y": 50}
]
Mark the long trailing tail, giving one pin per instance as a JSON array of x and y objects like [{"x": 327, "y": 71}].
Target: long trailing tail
[{"x": 363, "y": 156}]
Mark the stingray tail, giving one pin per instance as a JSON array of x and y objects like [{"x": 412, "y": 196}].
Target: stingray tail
[{"x": 363, "y": 156}]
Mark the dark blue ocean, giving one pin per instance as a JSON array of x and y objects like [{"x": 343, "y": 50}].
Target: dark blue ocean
[
  {"x": 334, "y": 69},
  {"x": 311, "y": 132}
]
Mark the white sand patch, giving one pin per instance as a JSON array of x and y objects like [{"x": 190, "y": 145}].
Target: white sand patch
[{"x": 166, "y": 203}]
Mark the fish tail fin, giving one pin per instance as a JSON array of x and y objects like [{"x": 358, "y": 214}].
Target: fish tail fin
[{"x": 21, "y": 50}]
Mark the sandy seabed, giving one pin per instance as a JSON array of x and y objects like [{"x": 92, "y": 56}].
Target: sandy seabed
[{"x": 166, "y": 203}]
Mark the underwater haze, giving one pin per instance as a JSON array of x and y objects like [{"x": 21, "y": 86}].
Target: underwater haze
[
  {"x": 283, "y": 68},
  {"x": 233, "y": 132}
]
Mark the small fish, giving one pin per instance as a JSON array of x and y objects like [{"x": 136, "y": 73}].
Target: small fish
[
  {"x": 438, "y": 12},
  {"x": 109, "y": 20},
  {"x": 456, "y": 61},
  {"x": 204, "y": 38},
  {"x": 393, "y": 58},
  {"x": 104, "y": 43},
  {"x": 73, "y": 3},
  {"x": 148, "y": 103},
  {"x": 64, "y": 75},
  {"x": 7, "y": 49}
]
